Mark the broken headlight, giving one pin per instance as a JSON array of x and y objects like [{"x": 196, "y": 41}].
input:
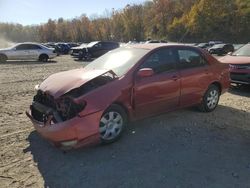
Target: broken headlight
[{"x": 67, "y": 107}]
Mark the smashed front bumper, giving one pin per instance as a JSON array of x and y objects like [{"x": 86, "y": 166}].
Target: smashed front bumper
[{"x": 73, "y": 133}]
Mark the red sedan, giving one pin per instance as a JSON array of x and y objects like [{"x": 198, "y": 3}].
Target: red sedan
[{"x": 93, "y": 104}]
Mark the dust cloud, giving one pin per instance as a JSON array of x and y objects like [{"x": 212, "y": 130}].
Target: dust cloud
[{"x": 4, "y": 43}]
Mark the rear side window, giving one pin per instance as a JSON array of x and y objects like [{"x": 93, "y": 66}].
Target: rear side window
[
  {"x": 34, "y": 47},
  {"x": 160, "y": 61},
  {"x": 190, "y": 58}
]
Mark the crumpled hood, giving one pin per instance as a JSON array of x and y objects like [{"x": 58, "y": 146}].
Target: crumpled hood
[
  {"x": 229, "y": 59},
  {"x": 63, "y": 82}
]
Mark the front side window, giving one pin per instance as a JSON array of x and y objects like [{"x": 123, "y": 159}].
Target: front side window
[
  {"x": 160, "y": 61},
  {"x": 22, "y": 47},
  {"x": 189, "y": 59}
]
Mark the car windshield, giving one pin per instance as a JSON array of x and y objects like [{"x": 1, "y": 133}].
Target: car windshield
[
  {"x": 91, "y": 44},
  {"x": 119, "y": 60},
  {"x": 83, "y": 45},
  {"x": 243, "y": 51}
]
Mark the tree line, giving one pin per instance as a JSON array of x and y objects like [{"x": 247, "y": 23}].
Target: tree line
[{"x": 172, "y": 20}]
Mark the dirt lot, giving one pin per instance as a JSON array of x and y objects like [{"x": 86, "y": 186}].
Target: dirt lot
[{"x": 185, "y": 148}]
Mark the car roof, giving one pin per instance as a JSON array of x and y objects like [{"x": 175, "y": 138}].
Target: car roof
[{"x": 33, "y": 43}]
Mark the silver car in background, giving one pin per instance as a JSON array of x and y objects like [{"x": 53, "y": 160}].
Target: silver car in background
[{"x": 27, "y": 51}]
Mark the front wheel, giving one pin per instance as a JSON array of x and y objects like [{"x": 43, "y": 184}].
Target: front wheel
[
  {"x": 210, "y": 99},
  {"x": 3, "y": 58},
  {"x": 43, "y": 58},
  {"x": 112, "y": 124}
]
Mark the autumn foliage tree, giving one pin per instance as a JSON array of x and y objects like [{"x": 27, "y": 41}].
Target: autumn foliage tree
[{"x": 174, "y": 20}]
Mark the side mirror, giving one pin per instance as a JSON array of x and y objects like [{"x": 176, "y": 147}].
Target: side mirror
[{"x": 145, "y": 72}]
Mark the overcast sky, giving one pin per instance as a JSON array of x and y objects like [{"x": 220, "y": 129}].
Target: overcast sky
[{"x": 29, "y": 12}]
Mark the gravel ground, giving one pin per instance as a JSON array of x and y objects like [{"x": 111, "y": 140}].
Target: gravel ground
[{"x": 185, "y": 148}]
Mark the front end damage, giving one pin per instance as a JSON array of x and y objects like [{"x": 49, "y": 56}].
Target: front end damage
[{"x": 58, "y": 119}]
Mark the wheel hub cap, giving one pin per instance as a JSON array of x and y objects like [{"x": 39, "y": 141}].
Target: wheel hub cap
[
  {"x": 212, "y": 99},
  {"x": 110, "y": 125}
]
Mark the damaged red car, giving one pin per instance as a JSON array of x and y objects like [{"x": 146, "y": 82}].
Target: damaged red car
[{"x": 93, "y": 104}]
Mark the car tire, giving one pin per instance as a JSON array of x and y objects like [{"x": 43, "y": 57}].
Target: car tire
[
  {"x": 112, "y": 124},
  {"x": 80, "y": 55},
  {"x": 88, "y": 56},
  {"x": 210, "y": 99},
  {"x": 43, "y": 58},
  {"x": 3, "y": 58}
]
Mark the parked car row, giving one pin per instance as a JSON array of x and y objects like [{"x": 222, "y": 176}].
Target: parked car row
[
  {"x": 61, "y": 48},
  {"x": 216, "y": 47}
]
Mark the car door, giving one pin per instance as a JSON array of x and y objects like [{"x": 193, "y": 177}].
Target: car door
[
  {"x": 194, "y": 73},
  {"x": 161, "y": 91},
  {"x": 34, "y": 51},
  {"x": 21, "y": 52}
]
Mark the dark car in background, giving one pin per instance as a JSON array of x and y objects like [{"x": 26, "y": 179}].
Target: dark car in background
[
  {"x": 74, "y": 51},
  {"x": 207, "y": 45},
  {"x": 239, "y": 65},
  {"x": 73, "y": 44},
  {"x": 65, "y": 48},
  {"x": 221, "y": 49},
  {"x": 53, "y": 45},
  {"x": 94, "y": 49},
  {"x": 203, "y": 45},
  {"x": 60, "y": 48}
]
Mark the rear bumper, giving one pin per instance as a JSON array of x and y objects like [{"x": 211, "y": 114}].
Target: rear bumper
[{"x": 74, "y": 133}]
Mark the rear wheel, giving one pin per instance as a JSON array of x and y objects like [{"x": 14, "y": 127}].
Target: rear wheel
[
  {"x": 3, "y": 58},
  {"x": 43, "y": 58},
  {"x": 112, "y": 124},
  {"x": 210, "y": 99}
]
